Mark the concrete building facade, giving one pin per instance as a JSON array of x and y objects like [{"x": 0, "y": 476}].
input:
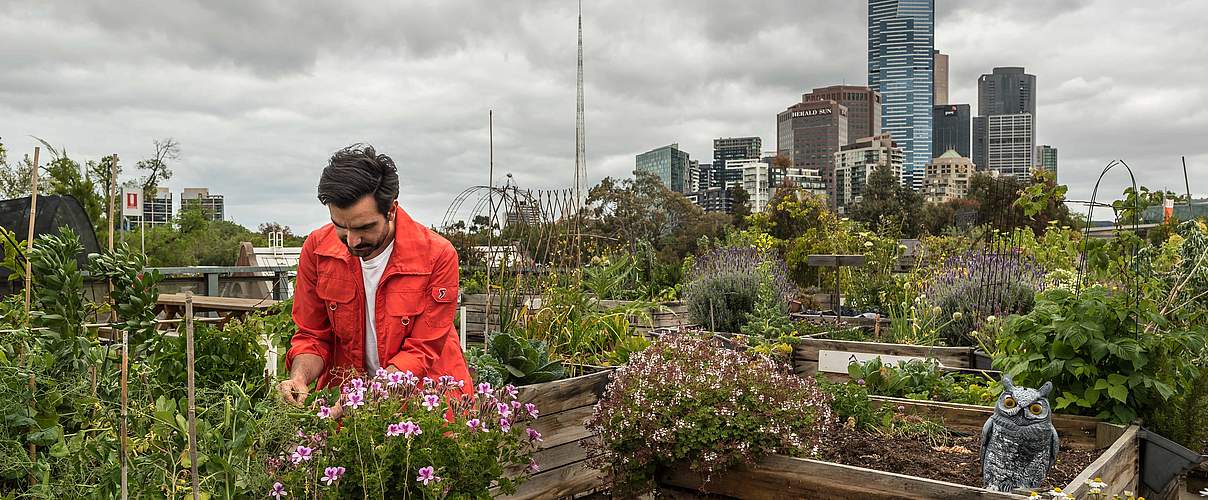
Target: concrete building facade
[
  {"x": 810, "y": 133},
  {"x": 855, "y": 161},
  {"x": 947, "y": 177},
  {"x": 212, "y": 205},
  {"x": 863, "y": 107}
]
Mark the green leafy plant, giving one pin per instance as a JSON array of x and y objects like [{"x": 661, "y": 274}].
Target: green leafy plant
[
  {"x": 508, "y": 359},
  {"x": 1090, "y": 345}
]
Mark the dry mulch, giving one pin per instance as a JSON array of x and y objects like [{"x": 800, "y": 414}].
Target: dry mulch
[{"x": 956, "y": 461}]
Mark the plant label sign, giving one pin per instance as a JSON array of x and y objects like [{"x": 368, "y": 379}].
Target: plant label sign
[
  {"x": 132, "y": 202},
  {"x": 837, "y": 361}
]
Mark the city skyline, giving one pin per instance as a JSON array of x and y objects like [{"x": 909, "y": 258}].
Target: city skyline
[{"x": 257, "y": 111}]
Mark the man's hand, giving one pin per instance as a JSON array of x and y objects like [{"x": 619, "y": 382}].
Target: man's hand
[
  {"x": 306, "y": 368},
  {"x": 294, "y": 391}
]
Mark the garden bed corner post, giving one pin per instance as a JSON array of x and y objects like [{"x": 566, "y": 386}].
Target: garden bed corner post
[{"x": 189, "y": 353}]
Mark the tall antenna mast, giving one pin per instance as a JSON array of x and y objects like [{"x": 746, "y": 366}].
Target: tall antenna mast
[{"x": 580, "y": 151}]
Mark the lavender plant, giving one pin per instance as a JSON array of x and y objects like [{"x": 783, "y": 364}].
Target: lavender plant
[
  {"x": 403, "y": 437},
  {"x": 688, "y": 400},
  {"x": 724, "y": 285},
  {"x": 978, "y": 284}
]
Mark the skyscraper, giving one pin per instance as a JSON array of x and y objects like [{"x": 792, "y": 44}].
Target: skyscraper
[
  {"x": 901, "y": 45},
  {"x": 1004, "y": 131},
  {"x": 950, "y": 129},
  {"x": 736, "y": 148},
  {"x": 941, "y": 83},
  {"x": 863, "y": 107},
  {"x": 667, "y": 163},
  {"x": 809, "y": 134},
  {"x": 1046, "y": 157}
]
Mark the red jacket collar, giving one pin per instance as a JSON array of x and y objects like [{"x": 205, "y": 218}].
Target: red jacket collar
[{"x": 411, "y": 242}]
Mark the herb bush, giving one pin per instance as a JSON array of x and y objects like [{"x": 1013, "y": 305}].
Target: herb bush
[
  {"x": 979, "y": 284},
  {"x": 688, "y": 400},
  {"x": 1091, "y": 347},
  {"x": 403, "y": 437},
  {"x": 724, "y": 286}
]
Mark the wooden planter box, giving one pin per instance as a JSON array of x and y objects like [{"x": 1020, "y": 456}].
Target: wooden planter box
[
  {"x": 564, "y": 405},
  {"x": 819, "y": 354},
  {"x": 780, "y": 476}
]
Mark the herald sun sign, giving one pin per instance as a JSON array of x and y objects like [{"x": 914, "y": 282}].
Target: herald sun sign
[{"x": 132, "y": 203}]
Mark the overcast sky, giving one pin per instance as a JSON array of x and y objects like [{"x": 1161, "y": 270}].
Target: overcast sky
[{"x": 259, "y": 93}]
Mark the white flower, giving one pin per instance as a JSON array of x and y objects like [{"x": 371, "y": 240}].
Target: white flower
[
  {"x": 1096, "y": 483},
  {"x": 1204, "y": 492}
]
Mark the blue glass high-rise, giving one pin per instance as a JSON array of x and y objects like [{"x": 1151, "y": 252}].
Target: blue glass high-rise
[{"x": 901, "y": 38}]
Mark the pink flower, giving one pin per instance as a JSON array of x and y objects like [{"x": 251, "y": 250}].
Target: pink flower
[
  {"x": 409, "y": 378},
  {"x": 484, "y": 388},
  {"x": 533, "y": 435},
  {"x": 381, "y": 373},
  {"x": 431, "y": 401},
  {"x": 356, "y": 399},
  {"x": 504, "y": 410},
  {"x": 427, "y": 382},
  {"x": 446, "y": 379},
  {"x": 301, "y": 454},
  {"x": 427, "y": 475},
  {"x": 394, "y": 430},
  {"x": 332, "y": 474},
  {"x": 505, "y": 425},
  {"x": 394, "y": 379},
  {"x": 357, "y": 384},
  {"x": 278, "y": 491},
  {"x": 515, "y": 405},
  {"x": 410, "y": 429},
  {"x": 511, "y": 391},
  {"x": 324, "y": 412},
  {"x": 377, "y": 387},
  {"x": 476, "y": 425},
  {"x": 531, "y": 409},
  {"x": 533, "y": 466}
]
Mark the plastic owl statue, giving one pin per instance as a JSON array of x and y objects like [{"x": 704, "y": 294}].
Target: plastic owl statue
[{"x": 1018, "y": 442}]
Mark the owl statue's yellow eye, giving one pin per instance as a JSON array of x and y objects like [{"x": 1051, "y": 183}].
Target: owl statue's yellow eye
[
  {"x": 1036, "y": 409},
  {"x": 1009, "y": 402}
]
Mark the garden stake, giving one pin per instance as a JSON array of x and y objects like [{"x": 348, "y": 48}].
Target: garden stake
[
  {"x": 29, "y": 247},
  {"x": 191, "y": 387}
]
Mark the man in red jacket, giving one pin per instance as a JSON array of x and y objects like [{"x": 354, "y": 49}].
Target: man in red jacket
[{"x": 375, "y": 289}]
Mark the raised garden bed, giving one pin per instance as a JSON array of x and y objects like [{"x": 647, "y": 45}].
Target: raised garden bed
[
  {"x": 564, "y": 405},
  {"x": 1107, "y": 451},
  {"x": 819, "y": 354}
]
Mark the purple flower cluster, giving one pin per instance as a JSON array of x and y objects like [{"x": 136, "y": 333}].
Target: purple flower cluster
[
  {"x": 743, "y": 260},
  {"x": 407, "y": 404},
  {"x": 982, "y": 283}
]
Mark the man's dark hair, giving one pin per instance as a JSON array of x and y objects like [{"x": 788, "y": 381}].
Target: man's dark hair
[{"x": 357, "y": 171}]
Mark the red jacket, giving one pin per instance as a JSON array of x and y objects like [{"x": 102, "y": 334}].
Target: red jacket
[{"x": 416, "y": 302}]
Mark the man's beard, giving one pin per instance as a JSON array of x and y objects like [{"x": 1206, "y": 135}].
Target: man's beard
[{"x": 364, "y": 249}]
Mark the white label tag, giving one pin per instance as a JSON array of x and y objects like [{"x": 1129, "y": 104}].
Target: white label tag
[{"x": 837, "y": 361}]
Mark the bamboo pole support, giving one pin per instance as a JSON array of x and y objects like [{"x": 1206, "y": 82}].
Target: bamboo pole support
[
  {"x": 29, "y": 247},
  {"x": 111, "y": 184},
  {"x": 125, "y": 410},
  {"x": 189, "y": 353}
]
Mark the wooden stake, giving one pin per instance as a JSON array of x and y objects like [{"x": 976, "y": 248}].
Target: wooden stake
[
  {"x": 29, "y": 248},
  {"x": 191, "y": 387},
  {"x": 29, "y": 241},
  {"x": 112, "y": 182}
]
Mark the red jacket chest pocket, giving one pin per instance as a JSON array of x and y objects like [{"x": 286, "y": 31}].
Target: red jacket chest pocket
[
  {"x": 403, "y": 309},
  {"x": 338, "y": 297}
]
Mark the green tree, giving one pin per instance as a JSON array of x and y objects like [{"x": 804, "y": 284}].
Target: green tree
[
  {"x": 156, "y": 167},
  {"x": 642, "y": 208},
  {"x": 887, "y": 206},
  {"x": 742, "y": 205}
]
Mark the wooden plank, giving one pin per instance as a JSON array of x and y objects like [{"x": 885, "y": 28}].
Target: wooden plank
[
  {"x": 779, "y": 476},
  {"x": 563, "y": 427},
  {"x": 205, "y": 303},
  {"x": 1119, "y": 466},
  {"x": 557, "y": 456},
  {"x": 819, "y": 260},
  {"x": 573, "y": 479},
  {"x": 952, "y": 357},
  {"x": 566, "y": 394},
  {"x": 1075, "y": 431}
]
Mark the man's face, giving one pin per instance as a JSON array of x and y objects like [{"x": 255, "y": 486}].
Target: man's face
[{"x": 361, "y": 227}]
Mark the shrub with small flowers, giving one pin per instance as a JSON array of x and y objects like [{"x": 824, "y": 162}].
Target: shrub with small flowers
[
  {"x": 688, "y": 400},
  {"x": 399, "y": 436}
]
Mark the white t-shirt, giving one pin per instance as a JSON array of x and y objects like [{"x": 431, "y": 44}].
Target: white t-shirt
[{"x": 371, "y": 274}]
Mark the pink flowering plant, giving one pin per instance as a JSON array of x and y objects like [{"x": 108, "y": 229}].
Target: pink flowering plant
[
  {"x": 687, "y": 399},
  {"x": 399, "y": 436}
]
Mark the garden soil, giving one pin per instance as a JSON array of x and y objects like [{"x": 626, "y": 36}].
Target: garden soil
[{"x": 956, "y": 461}]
